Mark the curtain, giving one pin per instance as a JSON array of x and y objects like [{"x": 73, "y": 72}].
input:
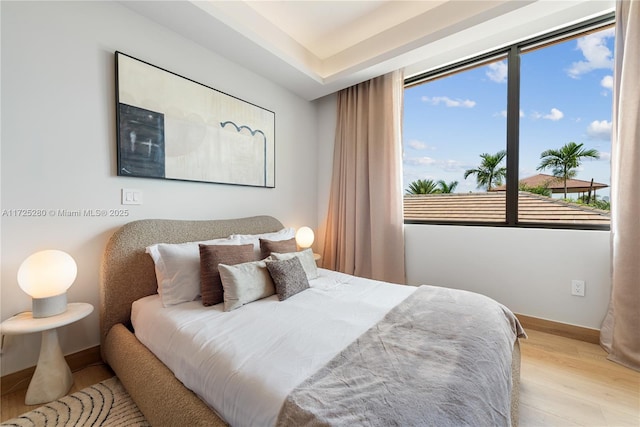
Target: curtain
[
  {"x": 364, "y": 228},
  {"x": 620, "y": 332}
]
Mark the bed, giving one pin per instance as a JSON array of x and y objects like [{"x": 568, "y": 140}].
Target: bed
[{"x": 128, "y": 275}]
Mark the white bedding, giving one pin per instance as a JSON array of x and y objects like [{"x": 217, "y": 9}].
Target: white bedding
[{"x": 245, "y": 362}]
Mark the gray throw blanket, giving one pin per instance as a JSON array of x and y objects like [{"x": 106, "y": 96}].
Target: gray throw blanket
[{"x": 442, "y": 357}]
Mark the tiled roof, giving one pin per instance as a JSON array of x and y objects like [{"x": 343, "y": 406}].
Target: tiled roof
[
  {"x": 490, "y": 207},
  {"x": 555, "y": 184}
]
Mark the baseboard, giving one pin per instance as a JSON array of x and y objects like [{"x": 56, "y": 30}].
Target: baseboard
[
  {"x": 562, "y": 329},
  {"x": 76, "y": 361}
]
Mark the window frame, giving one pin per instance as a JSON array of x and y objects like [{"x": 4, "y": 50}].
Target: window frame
[{"x": 512, "y": 53}]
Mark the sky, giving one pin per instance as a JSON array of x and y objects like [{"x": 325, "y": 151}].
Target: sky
[{"x": 566, "y": 95}]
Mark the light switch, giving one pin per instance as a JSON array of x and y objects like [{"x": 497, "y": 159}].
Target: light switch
[{"x": 131, "y": 196}]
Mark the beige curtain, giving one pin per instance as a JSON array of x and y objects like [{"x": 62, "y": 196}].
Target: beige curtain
[
  {"x": 620, "y": 333},
  {"x": 364, "y": 230}
]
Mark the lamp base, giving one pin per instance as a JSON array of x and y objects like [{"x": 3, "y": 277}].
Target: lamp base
[{"x": 50, "y": 306}]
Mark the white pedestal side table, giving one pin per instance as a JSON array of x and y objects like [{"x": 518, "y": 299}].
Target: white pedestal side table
[{"x": 52, "y": 378}]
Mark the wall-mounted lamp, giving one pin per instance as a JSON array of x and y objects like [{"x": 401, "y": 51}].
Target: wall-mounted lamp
[
  {"x": 304, "y": 237},
  {"x": 46, "y": 276}
]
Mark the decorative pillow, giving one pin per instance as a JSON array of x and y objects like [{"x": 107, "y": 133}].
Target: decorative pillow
[
  {"x": 280, "y": 246},
  {"x": 210, "y": 257},
  {"x": 245, "y": 283},
  {"x": 288, "y": 277},
  {"x": 284, "y": 234},
  {"x": 178, "y": 269},
  {"x": 306, "y": 259}
]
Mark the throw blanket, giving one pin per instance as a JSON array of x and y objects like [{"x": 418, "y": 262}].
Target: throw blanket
[{"x": 441, "y": 357}]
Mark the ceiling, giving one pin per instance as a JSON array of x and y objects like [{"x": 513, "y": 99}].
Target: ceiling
[{"x": 317, "y": 47}]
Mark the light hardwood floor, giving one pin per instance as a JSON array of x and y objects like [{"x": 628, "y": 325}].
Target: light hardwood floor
[{"x": 564, "y": 382}]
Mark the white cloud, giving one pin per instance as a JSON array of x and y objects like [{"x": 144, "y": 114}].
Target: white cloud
[
  {"x": 599, "y": 129},
  {"x": 554, "y": 115},
  {"x": 596, "y": 54},
  {"x": 607, "y": 82},
  {"x": 436, "y": 100},
  {"x": 419, "y": 161},
  {"x": 497, "y": 72},
  {"x": 419, "y": 145},
  {"x": 445, "y": 165}
]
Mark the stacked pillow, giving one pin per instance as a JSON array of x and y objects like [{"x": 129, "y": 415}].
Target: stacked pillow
[
  {"x": 178, "y": 265},
  {"x": 236, "y": 270},
  {"x": 178, "y": 269}
]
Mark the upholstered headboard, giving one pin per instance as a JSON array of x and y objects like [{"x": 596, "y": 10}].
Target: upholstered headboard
[{"x": 128, "y": 273}]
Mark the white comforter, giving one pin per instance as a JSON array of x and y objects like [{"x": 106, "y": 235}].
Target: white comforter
[{"x": 245, "y": 362}]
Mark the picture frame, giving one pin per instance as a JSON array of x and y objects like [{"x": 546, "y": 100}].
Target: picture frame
[{"x": 171, "y": 127}]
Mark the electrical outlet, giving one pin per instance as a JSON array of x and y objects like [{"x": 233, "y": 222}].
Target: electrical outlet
[{"x": 577, "y": 288}]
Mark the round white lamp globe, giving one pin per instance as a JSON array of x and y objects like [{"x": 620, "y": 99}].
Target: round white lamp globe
[
  {"x": 46, "y": 276},
  {"x": 304, "y": 237}
]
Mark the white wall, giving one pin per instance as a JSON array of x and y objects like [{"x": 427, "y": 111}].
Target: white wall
[
  {"x": 59, "y": 146},
  {"x": 327, "y": 120},
  {"x": 528, "y": 270}
]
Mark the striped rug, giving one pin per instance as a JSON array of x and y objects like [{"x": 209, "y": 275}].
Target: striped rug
[{"x": 104, "y": 404}]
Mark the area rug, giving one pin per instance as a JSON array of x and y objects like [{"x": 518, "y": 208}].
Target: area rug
[{"x": 104, "y": 404}]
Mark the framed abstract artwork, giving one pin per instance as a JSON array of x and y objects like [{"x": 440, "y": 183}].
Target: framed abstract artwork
[{"x": 171, "y": 127}]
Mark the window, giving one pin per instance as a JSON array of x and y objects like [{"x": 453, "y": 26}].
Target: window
[
  {"x": 499, "y": 139},
  {"x": 445, "y": 138}
]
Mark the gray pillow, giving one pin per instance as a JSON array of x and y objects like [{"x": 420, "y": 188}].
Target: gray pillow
[
  {"x": 305, "y": 257},
  {"x": 288, "y": 277}
]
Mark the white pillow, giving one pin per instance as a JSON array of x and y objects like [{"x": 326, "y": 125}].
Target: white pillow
[
  {"x": 306, "y": 259},
  {"x": 178, "y": 269},
  {"x": 284, "y": 234},
  {"x": 245, "y": 283}
]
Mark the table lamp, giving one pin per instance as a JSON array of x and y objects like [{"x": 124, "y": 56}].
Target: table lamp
[
  {"x": 304, "y": 237},
  {"x": 46, "y": 276}
]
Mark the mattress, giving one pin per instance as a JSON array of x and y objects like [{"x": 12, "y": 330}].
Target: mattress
[{"x": 245, "y": 362}]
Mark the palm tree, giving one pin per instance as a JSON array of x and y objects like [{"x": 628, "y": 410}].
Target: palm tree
[
  {"x": 566, "y": 160},
  {"x": 422, "y": 186},
  {"x": 489, "y": 173},
  {"x": 447, "y": 188}
]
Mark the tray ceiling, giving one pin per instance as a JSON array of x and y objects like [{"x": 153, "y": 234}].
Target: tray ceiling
[{"x": 315, "y": 48}]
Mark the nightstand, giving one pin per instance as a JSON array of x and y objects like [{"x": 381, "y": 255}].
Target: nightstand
[{"x": 52, "y": 378}]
